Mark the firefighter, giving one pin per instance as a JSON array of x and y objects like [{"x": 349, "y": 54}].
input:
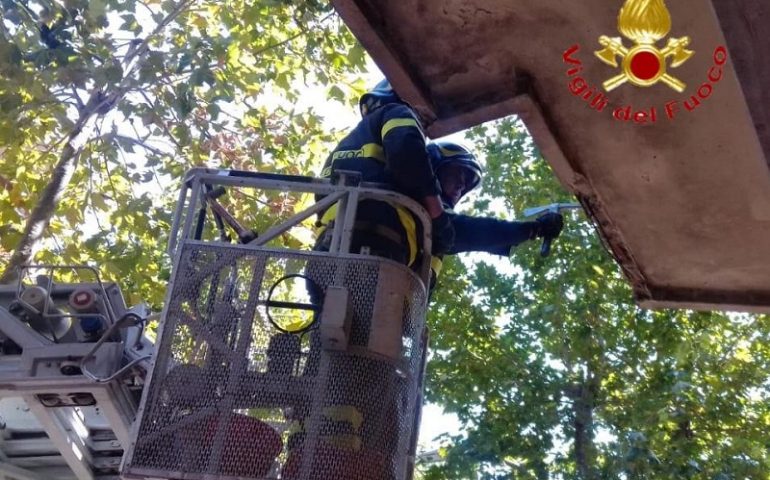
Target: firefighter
[
  {"x": 388, "y": 146},
  {"x": 458, "y": 173}
]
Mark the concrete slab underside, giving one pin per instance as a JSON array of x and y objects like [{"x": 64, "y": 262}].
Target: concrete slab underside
[{"x": 683, "y": 203}]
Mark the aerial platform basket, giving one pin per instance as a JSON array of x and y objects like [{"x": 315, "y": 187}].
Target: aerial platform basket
[{"x": 276, "y": 363}]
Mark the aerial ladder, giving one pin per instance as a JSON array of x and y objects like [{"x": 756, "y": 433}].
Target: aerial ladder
[{"x": 269, "y": 362}]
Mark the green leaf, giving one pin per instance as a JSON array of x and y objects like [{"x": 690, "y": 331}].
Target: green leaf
[
  {"x": 357, "y": 55},
  {"x": 98, "y": 202},
  {"x": 9, "y": 238},
  {"x": 96, "y": 9},
  {"x": 10, "y": 54},
  {"x": 9, "y": 103},
  {"x": 233, "y": 54},
  {"x": 131, "y": 24},
  {"x": 114, "y": 72},
  {"x": 337, "y": 94}
]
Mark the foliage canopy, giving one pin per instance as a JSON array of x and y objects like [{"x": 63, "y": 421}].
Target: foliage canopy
[
  {"x": 555, "y": 373},
  {"x": 104, "y": 104}
]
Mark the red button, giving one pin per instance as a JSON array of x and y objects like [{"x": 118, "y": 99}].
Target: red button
[{"x": 645, "y": 65}]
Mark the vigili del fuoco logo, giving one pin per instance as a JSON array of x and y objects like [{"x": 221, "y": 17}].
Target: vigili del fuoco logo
[{"x": 643, "y": 64}]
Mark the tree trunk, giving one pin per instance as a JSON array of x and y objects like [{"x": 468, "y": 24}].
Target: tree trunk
[
  {"x": 99, "y": 103},
  {"x": 46, "y": 206},
  {"x": 584, "y": 403}
]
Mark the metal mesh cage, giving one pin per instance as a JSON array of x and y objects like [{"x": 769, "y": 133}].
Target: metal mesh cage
[{"x": 232, "y": 396}]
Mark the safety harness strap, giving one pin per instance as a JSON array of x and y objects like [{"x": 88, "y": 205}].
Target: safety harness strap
[{"x": 406, "y": 219}]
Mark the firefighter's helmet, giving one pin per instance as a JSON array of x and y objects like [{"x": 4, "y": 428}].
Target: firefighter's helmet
[
  {"x": 380, "y": 95},
  {"x": 443, "y": 153}
]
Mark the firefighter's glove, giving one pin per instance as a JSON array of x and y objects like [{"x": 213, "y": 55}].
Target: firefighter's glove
[
  {"x": 548, "y": 225},
  {"x": 443, "y": 234}
]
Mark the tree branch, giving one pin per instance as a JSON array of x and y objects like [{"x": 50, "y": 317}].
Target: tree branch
[
  {"x": 144, "y": 4},
  {"x": 137, "y": 142},
  {"x": 45, "y": 208},
  {"x": 87, "y": 200},
  {"x": 5, "y": 183},
  {"x": 77, "y": 98},
  {"x": 144, "y": 47},
  {"x": 109, "y": 179},
  {"x": 161, "y": 124},
  {"x": 98, "y": 104},
  {"x": 287, "y": 40}
]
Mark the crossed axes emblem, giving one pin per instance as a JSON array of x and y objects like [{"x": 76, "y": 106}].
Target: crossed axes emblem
[{"x": 644, "y": 64}]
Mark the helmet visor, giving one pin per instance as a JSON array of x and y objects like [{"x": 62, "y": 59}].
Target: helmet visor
[{"x": 456, "y": 180}]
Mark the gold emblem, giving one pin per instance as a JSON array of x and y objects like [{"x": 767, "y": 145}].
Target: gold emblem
[{"x": 644, "y": 22}]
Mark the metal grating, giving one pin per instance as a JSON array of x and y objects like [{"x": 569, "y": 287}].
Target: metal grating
[{"x": 233, "y": 396}]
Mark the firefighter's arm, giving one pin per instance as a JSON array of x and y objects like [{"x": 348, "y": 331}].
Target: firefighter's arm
[
  {"x": 403, "y": 142},
  {"x": 486, "y": 234}
]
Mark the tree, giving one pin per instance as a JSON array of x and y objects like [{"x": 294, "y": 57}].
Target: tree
[
  {"x": 555, "y": 373},
  {"x": 105, "y": 103}
]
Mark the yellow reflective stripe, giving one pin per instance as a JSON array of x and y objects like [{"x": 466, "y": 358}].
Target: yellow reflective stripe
[
  {"x": 407, "y": 221},
  {"x": 345, "y": 413},
  {"x": 336, "y": 413},
  {"x": 295, "y": 427},
  {"x": 347, "y": 154},
  {"x": 329, "y": 215},
  {"x": 372, "y": 150},
  {"x": 436, "y": 264},
  {"x": 446, "y": 152},
  {"x": 369, "y": 150},
  {"x": 400, "y": 122}
]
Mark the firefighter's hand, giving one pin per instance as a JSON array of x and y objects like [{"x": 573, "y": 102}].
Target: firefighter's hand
[
  {"x": 549, "y": 225},
  {"x": 443, "y": 234}
]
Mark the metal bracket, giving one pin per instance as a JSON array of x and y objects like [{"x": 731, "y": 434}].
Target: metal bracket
[{"x": 336, "y": 318}]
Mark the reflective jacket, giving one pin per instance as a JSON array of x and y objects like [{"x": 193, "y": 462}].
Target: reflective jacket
[{"x": 387, "y": 146}]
